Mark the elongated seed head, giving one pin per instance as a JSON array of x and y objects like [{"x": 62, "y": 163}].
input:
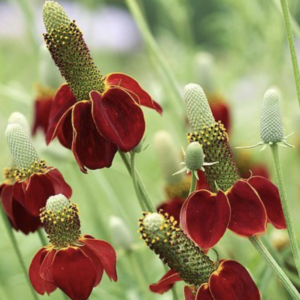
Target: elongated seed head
[{"x": 18, "y": 118}]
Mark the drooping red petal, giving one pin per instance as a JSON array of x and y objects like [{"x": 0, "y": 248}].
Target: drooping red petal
[
  {"x": 62, "y": 102},
  {"x": 204, "y": 293},
  {"x": 202, "y": 182},
  {"x": 96, "y": 262},
  {"x": 207, "y": 216},
  {"x": 106, "y": 254},
  {"x": 232, "y": 282},
  {"x": 221, "y": 112},
  {"x": 165, "y": 283},
  {"x": 118, "y": 118},
  {"x": 130, "y": 85},
  {"x": 188, "y": 294},
  {"x": 172, "y": 207},
  {"x": 19, "y": 192},
  {"x": 6, "y": 199},
  {"x": 64, "y": 130},
  {"x": 39, "y": 284},
  {"x": 90, "y": 149},
  {"x": 269, "y": 195},
  {"x": 59, "y": 184},
  {"x": 46, "y": 266},
  {"x": 38, "y": 189},
  {"x": 42, "y": 108},
  {"x": 248, "y": 214},
  {"x": 73, "y": 272}
]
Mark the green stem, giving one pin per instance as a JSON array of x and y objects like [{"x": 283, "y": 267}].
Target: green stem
[
  {"x": 157, "y": 55},
  {"x": 262, "y": 250},
  {"x": 291, "y": 42},
  {"x": 193, "y": 183},
  {"x": 17, "y": 250},
  {"x": 140, "y": 183},
  {"x": 42, "y": 237},
  {"x": 285, "y": 206},
  {"x": 143, "y": 205},
  {"x": 174, "y": 293}
]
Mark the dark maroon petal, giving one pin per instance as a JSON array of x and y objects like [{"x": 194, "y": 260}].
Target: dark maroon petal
[
  {"x": 207, "y": 216},
  {"x": 201, "y": 182},
  {"x": 6, "y": 199},
  {"x": 204, "y": 293},
  {"x": 38, "y": 189},
  {"x": 106, "y": 254},
  {"x": 96, "y": 262},
  {"x": 42, "y": 108},
  {"x": 73, "y": 272},
  {"x": 269, "y": 195},
  {"x": 59, "y": 184},
  {"x": 221, "y": 112},
  {"x": 19, "y": 192},
  {"x": 232, "y": 282},
  {"x": 62, "y": 102},
  {"x": 118, "y": 118},
  {"x": 248, "y": 214},
  {"x": 90, "y": 149},
  {"x": 165, "y": 283},
  {"x": 131, "y": 86},
  {"x": 188, "y": 294},
  {"x": 172, "y": 207},
  {"x": 64, "y": 130},
  {"x": 46, "y": 266},
  {"x": 39, "y": 284}
]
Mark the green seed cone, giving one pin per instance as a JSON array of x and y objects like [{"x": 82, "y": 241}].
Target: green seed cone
[
  {"x": 21, "y": 148},
  {"x": 70, "y": 52},
  {"x": 271, "y": 127},
  {"x": 194, "y": 157},
  {"x": 18, "y": 118},
  {"x": 57, "y": 202}
]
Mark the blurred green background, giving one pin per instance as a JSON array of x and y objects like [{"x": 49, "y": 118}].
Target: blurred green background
[{"x": 248, "y": 43}]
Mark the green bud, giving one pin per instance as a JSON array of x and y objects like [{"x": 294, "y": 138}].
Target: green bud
[
  {"x": 271, "y": 127},
  {"x": 197, "y": 108},
  {"x": 21, "y": 148},
  {"x": 120, "y": 232},
  {"x": 18, "y": 118},
  {"x": 168, "y": 156},
  {"x": 139, "y": 147},
  {"x": 57, "y": 202},
  {"x": 194, "y": 157}
]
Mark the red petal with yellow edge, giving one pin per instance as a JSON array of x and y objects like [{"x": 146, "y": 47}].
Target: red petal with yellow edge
[
  {"x": 248, "y": 214},
  {"x": 188, "y": 294},
  {"x": 59, "y": 184},
  {"x": 130, "y": 85},
  {"x": 269, "y": 195},
  {"x": 106, "y": 254},
  {"x": 165, "y": 283},
  {"x": 231, "y": 281},
  {"x": 96, "y": 262},
  {"x": 118, "y": 118},
  {"x": 64, "y": 130},
  {"x": 207, "y": 216},
  {"x": 73, "y": 272},
  {"x": 39, "y": 284},
  {"x": 204, "y": 293},
  {"x": 46, "y": 266},
  {"x": 90, "y": 149},
  {"x": 62, "y": 102},
  {"x": 38, "y": 189}
]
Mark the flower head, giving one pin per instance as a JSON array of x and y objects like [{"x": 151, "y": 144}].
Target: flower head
[
  {"x": 72, "y": 263},
  {"x": 101, "y": 113}
]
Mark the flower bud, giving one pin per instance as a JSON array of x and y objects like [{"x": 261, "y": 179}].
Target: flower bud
[
  {"x": 21, "y": 148},
  {"x": 168, "y": 157},
  {"x": 194, "y": 157},
  {"x": 197, "y": 108},
  {"x": 271, "y": 128},
  {"x": 18, "y": 118},
  {"x": 121, "y": 234}
]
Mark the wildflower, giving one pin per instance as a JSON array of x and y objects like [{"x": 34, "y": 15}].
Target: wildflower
[
  {"x": 205, "y": 279},
  {"x": 245, "y": 206},
  {"x": 92, "y": 115},
  {"x": 33, "y": 181},
  {"x": 72, "y": 263}
]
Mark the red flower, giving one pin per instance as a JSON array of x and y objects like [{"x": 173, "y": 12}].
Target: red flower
[
  {"x": 220, "y": 111},
  {"x": 230, "y": 281},
  {"x": 94, "y": 129},
  {"x": 245, "y": 209},
  {"x": 76, "y": 270},
  {"x": 172, "y": 207},
  {"x": 18, "y": 216},
  {"x": 42, "y": 107}
]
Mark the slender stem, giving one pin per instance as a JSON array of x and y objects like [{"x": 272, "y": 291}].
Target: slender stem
[
  {"x": 262, "y": 250},
  {"x": 143, "y": 205},
  {"x": 17, "y": 250},
  {"x": 42, "y": 237},
  {"x": 193, "y": 183},
  {"x": 291, "y": 42},
  {"x": 174, "y": 293},
  {"x": 285, "y": 206}
]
